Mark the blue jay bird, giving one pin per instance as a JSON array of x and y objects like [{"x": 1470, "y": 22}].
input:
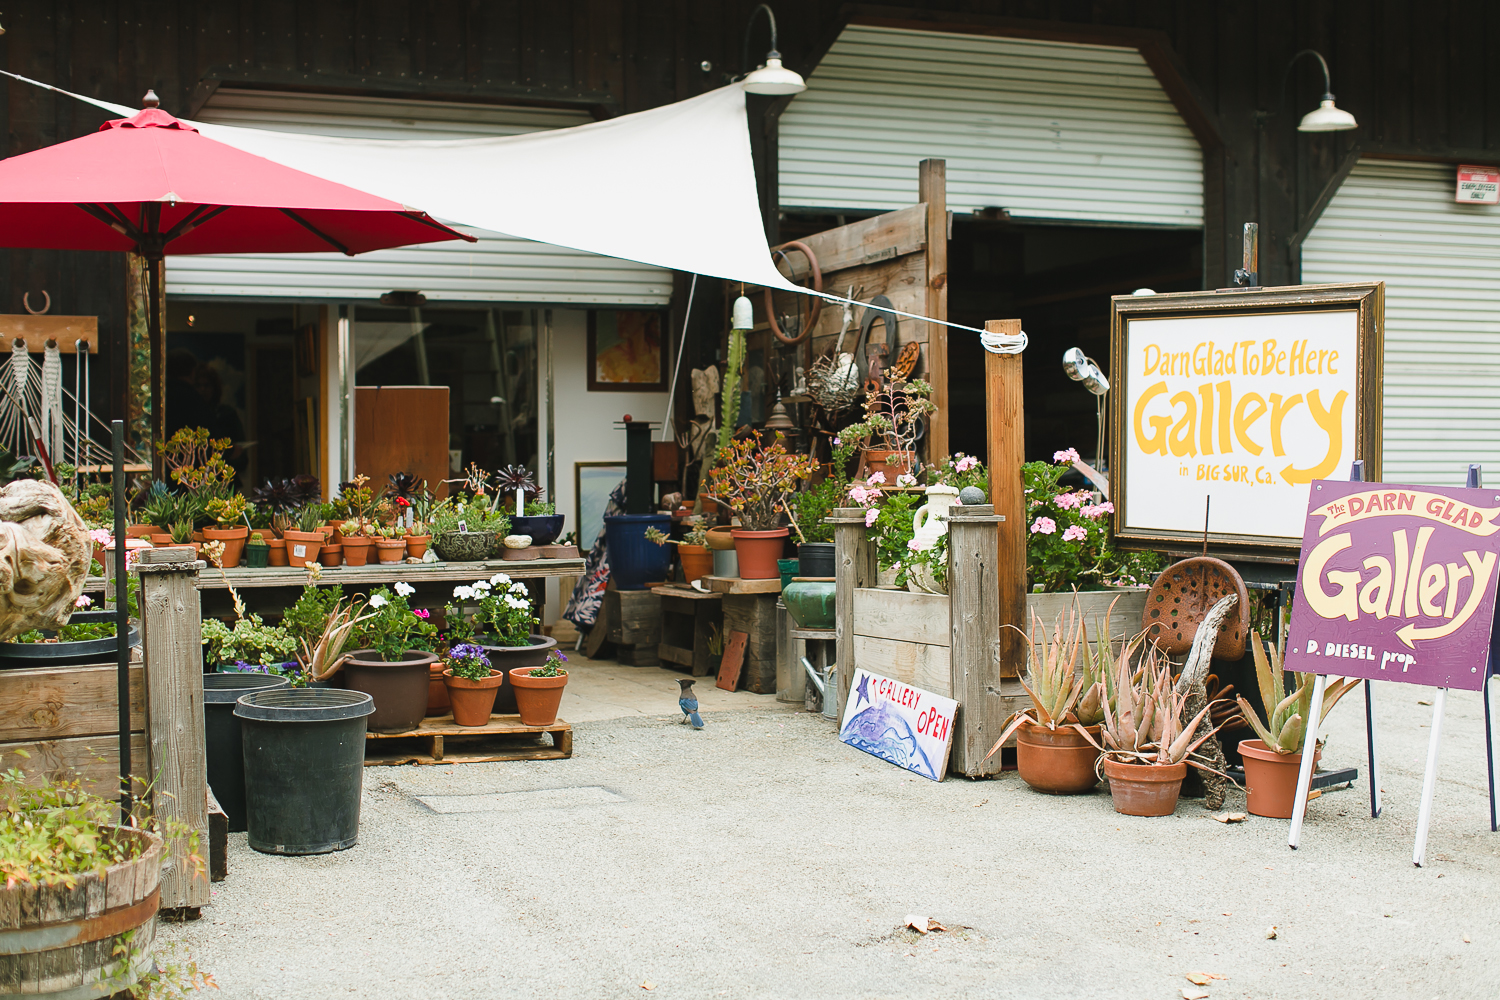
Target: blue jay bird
[{"x": 689, "y": 704}]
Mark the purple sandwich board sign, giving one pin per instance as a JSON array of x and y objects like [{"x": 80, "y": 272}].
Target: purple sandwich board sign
[{"x": 1396, "y": 583}]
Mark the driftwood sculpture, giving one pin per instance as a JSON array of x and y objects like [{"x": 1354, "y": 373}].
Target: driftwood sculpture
[
  {"x": 44, "y": 557},
  {"x": 1191, "y": 684}
]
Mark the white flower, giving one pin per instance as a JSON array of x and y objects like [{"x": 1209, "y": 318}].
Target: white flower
[
  {"x": 379, "y": 601},
  {"x": 464, "y": 593},
  {"x": 482, "y": 585},
  {"x": 405, "y": 589},
  {"x": 519, "y": 588},
  {"x": 516, "y": 603},
  {"x": 906, "y": 479},
  {"x": 499, "y": 579}
]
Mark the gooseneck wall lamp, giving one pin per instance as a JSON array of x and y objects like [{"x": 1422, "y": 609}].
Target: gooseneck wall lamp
[
  {"x": 770, "y": 78},
  {"x": 1326, "y": 117}
]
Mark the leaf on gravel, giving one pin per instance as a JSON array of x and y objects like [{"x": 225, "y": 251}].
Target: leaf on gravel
[
  {"x": 917, "y": 922},
  {"x": 1271, "y": 933},
  {"x": 1191, "y": 994},
  {"x": 1230, "y": 817},
  {"x": 647, "y": 984},
  {"x": 1203, "y": 978},
  {"x": 933, "y": 925}
]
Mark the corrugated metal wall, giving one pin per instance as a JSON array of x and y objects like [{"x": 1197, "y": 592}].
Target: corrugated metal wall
[
  {"x": 1397, "y": 222},
  {"x": 496, "y": 269},
  {"x": 1044, "y": 130}
]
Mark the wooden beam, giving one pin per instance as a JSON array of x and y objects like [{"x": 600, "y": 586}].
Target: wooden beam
[
  {"x": 855, "y": 566},
  {"x": 868, "y": 241},
  {"x": 37, "y": 330},
  {"x": 976, "y": 588},
  {"x": 932, "y": 191},
  {"x": 1006, "y": 424}
]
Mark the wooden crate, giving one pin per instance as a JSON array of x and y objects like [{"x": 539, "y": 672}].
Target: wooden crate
[
  {"x": 632, "y": 619},
  {"x": 755, "y": 615},
  {"x": 439, "y": 741},
  {"x": 690, "y": 620}
]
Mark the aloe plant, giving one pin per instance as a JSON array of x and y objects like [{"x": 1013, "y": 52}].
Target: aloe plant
[
  {"x": 182, "y": 532},
  {"x": 1143, "y": 722},
  {"x": 1051, "y": 678},
  {"x": 1285, "y": 729}
]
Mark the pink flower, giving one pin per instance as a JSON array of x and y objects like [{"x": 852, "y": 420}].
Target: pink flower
[
  {"x": 101, "y": 536},
  {"x": 422, "y": 613},
  {"x": 913, "y": 545},
  {"x": 876, "y": 478},
  {"x": 1095, "y": 511},
  {"x": 1067, "y": 501},
  {"x": 1043, "y": 526},
  {"x": 1067, "y": 456},
  {"x": 870, "y": 516},
  {"x": 906, "y": 479},
  {"x": 966, "y": 463},
  {"x": 859, "y": 495},
  {"x": 83, "y": 601},
  {"x": 837, "y": 441},
  {"x": 1075, "y": 533}
]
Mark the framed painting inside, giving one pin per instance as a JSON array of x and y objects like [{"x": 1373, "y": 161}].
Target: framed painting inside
[
  {"x": 1235, "y": 401},
  {"x": 627, "y": 351},
  {"x": 592, "y": 484}
]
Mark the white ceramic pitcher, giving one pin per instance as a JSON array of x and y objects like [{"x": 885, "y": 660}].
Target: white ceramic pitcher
[{"x": 930, "y": 522}]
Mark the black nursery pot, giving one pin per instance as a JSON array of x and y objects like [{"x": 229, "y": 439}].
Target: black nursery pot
[
  {"x": 816, "y": 559},
  {"x": 226, "y": 757}
]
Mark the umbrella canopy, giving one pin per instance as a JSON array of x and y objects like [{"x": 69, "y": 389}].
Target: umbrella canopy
[{"x": 154, "y": 185}]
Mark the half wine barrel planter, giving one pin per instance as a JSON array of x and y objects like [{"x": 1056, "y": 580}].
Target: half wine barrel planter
[
  {"x": 758, "y": 552},
  {"x": 1145, "y": 789},
  {"x": 1271, "y": 779},
  {"x": 1056, "y": 761},
  {"x": 304, "y": 767},
  {"x": 537, "y": 698},
  {"x": 398, "y": 688},
  {"x": 60, "y": 942}
]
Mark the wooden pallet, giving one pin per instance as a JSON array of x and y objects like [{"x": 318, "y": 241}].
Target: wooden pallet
[{"x": 505, "y": 738}]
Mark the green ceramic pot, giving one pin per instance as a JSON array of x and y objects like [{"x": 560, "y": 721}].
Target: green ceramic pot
[
  {"x": 463, "y": 546},
  {"x": 256, "y": 556},
  {"x": 788, "y": 569},
  {"x": 810, "y": 602}
]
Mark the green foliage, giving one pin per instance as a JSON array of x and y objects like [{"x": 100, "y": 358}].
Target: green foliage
[
  {"x": 196, "y": 462},
  {"x": 1068, "y": 542},
  {"x": 309, "y": 517},
  {"x": 1285, "y": 728},
  {"x": 249, "y": 641},
  {"x": 159, "y": 509},
  {"x": 500, "y": 610},
  {"x": 755, "y": 478},
  {"x": 729, "y": 392},
  {"x": 540, "y": 508},
  {"x": 468, "y": 661},
  {"x": 391, "y": 627},
  {"x": 227, "y": 511},
  {"x": 813, "y": 505},
  {"x": 182, "y": 532},
  {"x": 306, "y": 620},
  {"x": 553, "y": 667},
  {"x": 257, "y": 539},
  {"x": 12, "y": 468},
  {"x": 474, "y": 512}
]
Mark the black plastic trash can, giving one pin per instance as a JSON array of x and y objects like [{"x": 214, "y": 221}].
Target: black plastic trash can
[
  {"x": 304, "y": 754},
  {"x": 226, "y": 757}
]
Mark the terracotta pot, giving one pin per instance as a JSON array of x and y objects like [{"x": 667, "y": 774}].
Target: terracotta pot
[
  {"x": 234, "y": 543},
  {"x": 437, "y": 691},
  {"x": 276, "y": 556},
  {"x": 336, "y": 524},
  {"x": 720, "y": 539},
  {"x": 198, "y": 537},
  {"x": 356, "y": 550},
  {"x": 758, "y": 551},
  {"x": 1271, "y": 779},
  {"x": 399, "y": 688},
  {"x": 537, "y": 698},
  {"x": 1056, "y": 761},
  {"x": 416, "y": 545},
  {"x": 302, "y": 547},
  {"x": 697, "y": 561},
  {"x": 141, "y": 530},
  {"x": 474, "y": 700},
  {"x": 390, "y": 550},
  {"x": 327, "y": 531},
  {"x": 331, "y": 555},
  {"x": 507, "y": 658},
  {"x": 161, "y": 539},
  {"x": 1145, "y": 789},
  {"x": 892, "y": 463}
]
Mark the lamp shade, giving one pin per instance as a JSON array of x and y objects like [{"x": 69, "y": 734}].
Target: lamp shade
[
  {"x": 1327, "y": 118},
  {"x": 774, "y": 79}
]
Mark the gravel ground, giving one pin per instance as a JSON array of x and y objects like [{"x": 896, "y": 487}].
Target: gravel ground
[{"x": 760, "y": 858}]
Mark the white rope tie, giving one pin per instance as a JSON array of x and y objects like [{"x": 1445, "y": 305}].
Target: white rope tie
[{"x": 1003, "y": 343}]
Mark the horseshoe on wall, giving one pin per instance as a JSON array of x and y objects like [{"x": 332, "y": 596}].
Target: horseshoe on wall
[
  {"x": 46, "y": 303},
  {"x": 817, "y": 285}
]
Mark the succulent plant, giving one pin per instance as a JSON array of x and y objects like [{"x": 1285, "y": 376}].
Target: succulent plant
[
  {"x": 515, "y": 477},
  {"x": 1144, "y": 724},
  {"x": 403, "y": 485},
  {"x": 1285, "y": 728}
]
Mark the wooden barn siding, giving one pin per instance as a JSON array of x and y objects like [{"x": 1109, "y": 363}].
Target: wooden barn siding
[{"x": 1421, "y": 78}]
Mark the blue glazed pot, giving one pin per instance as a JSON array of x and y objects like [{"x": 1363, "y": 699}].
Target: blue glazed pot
[
  {"x": 633, "y": 561},
  {"x": 810, "y": 602},
  {"x": 543, "y": 528}
]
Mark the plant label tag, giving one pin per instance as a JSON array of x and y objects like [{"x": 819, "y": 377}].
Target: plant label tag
[
  {"x": 300, "y": 551},
  {"x": 463, "y": 527}
]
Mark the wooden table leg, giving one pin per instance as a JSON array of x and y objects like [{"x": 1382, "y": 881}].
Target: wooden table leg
[{"x": 563, "y": 741}]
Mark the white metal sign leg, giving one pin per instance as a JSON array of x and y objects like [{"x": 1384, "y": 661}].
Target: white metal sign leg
[
  {"x": 1304, "y": 773},
  {"x": 1370, "y": 737},
  {"x": 1489, "y": 750},
  {"x": 1429, "y": 780}
]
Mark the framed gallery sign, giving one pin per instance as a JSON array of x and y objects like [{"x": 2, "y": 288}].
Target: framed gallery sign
[{"x": 1243, "y": 398}]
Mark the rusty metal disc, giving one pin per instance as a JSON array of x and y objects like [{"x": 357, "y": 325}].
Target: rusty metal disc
[{"x": 1181, "y": 598}]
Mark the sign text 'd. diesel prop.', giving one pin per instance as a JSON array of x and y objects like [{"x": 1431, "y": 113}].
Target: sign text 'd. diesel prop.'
[{"x": 1397, "y": 583}]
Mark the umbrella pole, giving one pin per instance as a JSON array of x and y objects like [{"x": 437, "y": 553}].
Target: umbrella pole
[
  {"x": 122, "y": 617},
  {"x": 158, "y": 362}
]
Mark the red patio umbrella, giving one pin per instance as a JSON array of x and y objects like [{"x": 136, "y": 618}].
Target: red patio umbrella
[
  {"x": 155, "y": 186},
  {"x": 152, "y": 185}
]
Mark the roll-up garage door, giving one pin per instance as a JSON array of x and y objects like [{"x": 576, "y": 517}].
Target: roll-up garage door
[
  {"x": 496, "y": 269},
  {"x": 1043, "y": 130},
  {"x": 1397, "y": 222}
]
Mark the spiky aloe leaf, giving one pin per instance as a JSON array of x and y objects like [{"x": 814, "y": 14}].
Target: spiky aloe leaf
[
  {"x": 1292, "y": 734},
  {"x": 1260, "y": 727}
]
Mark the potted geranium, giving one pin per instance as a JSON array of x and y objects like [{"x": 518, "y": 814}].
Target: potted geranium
[
  {"x": 228, "y": 514},
  {"x": 755, "y": 479},
  {"x": 472, "y": 684},
  {"x": 1273, "y": 762},
  {"x": 393, "y": 665},
  {"x": 496, "y": 614},
  {"x": 539, "y": 690}
]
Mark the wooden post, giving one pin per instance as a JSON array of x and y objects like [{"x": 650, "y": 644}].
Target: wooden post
[
  {"x": 932, "y": 190},
  {"x": 172, "y": 639},
  {"x": 974, "y": 616},
  {"x": 856, "y": 566},
  {"x": 1005, "y": 420}
]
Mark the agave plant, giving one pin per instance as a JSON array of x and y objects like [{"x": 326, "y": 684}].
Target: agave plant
[
  {"x": 1094, "y": 671},
  {"x": 1286, "y": 714},
  {"x": 325, "y": 655},
  {"x": 1051, "y": 677},
  {"x": 1143, "y": 724}
]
